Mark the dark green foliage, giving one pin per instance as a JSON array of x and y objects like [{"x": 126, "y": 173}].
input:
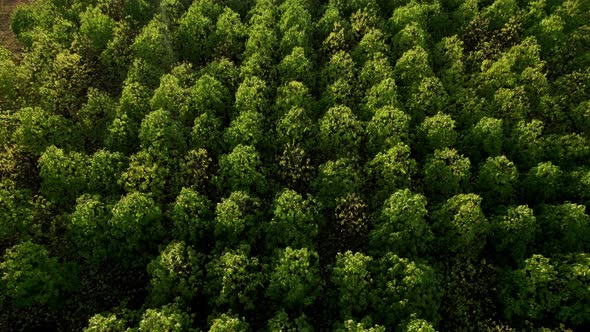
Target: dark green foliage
[
  {"x": 30, "y": 275},
  {"x": 294, "y": 280},
  {"x": 294, "y": 165},
  {"x": 401, "y": 226},
  {"x": 397, "y": 280},
  {"x": 176, "y": 275},
  {"x": 234, "y": 280}
]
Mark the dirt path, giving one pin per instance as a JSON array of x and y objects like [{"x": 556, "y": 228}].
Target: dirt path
[{"x": 7, "y": 38}]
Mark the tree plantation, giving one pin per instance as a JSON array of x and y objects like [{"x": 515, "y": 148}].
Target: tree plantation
[{"x": 296, "y": 165}]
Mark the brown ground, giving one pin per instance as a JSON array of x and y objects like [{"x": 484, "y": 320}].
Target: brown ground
[{"x": 7, "y": 38}]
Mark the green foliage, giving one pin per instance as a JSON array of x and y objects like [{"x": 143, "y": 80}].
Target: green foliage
[
  {"x": 340, "y": 132},
  {"x": 388, "y": 127},
  {"x": 446, "y": 173},
  {"x": 515, "y": 231},
  {"x": 234, "y": 279},
  {"x": 401, "y": 226},
  {"x": 461, "y": 225},
  {"x": 40, "y": 129},
  {"x": 168, "y": 318},
  {"x": 235, "y": 219},
  {"x": 160, "y": 135},
  {"x": 336, "y": 179},
  {"x": 191, "y": 216},
  {"x": 87, "y": 227},
  {"x": 153, "y": 44},
  {"x": 96, "y": 28},
  {"x": 353, "y": 282},
  {"x": 246, "y": 129},
  {"x": 294, "y": 280},
  {"x": 106, "y": 323},
  {"x": 403, "y": 288},
  {"x": 30, "y": 275},
  {"x": 15, "y": 211},
  {"x": 565, "y": 228},
  {"x": 228, "y": 322},
  {"x": 295, "y": 221},
  {"x": 176, "y": 275},
  {"x": 352, "y": 326},
  {"x": 497, "y": 180},
  {"x": 241, "y": 170},
  {"x": 391, "y": 170},
  {"x": 282, "y": 322},
  {"x": 438, "y": 132},
  {"x": 135, "y": 225},
  {"x": 207, "y": 95},
  {"x": 64, "y": 176}
]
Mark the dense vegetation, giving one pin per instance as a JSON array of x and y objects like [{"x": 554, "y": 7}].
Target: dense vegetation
[{"x": 296, "y": 165}]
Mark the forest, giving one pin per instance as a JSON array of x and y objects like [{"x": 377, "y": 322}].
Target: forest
[{"x": 295, "y": 165}]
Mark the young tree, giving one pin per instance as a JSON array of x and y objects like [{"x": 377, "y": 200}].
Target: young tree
[
  {"x": 64, "y": 176},
  {"x": 543, "y": 183},
  {"x": 391, "y": 170},
  {"x": 295, "y": 281},
  {"x": 388, "y": 127},
  {"x": 135, "y": 226},
  {"x": 246, "y": 129},
  {"x": 252, "y": 95},
  {"x": 335, "y": 179},
  {"x": 228, "y": 322},
  {"x": 403, "y": 288},
  {"x": 87, "y": 227},
  {"x": 230, "y": 35},
  {"x": 353, "y": 282},
  {"x": 281, "y": 322},
  {"x": 154, "y": 44},
  {"x": 234, "y": 280},
  {"x": 167, "y": 318},
  {"x": 40, "y": 129},
  {"x": 515, "y": 231},
  {"x": 340, "y": 132},
  {"x": 161, "y": 136},
  {"x": 235, "y": 220},
  {"x": 296, "y": 66},
  {"x": 437, "y": 132},
  {"x": 191, "y": 216},
  {"x": 176, "y": 275},
  {"x": 446, "y": 173},
  {"x": 497, "y": 181},
  {"x": 241, "y": 169},
  {"x": 30, "y": 275},
  {"x": 401, "y": 226},
  {"x": 461, "y": 226},
  {"x": 208, "y": 95},
  {"x": 295, "y": 221}
]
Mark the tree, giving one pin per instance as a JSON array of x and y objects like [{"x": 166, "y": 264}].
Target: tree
[
  {"x": 411, "y": 68},
  {"x": 241, "y": 170},
  {"x": 252, "y": 95},
  {"x": 461, "y": 226},
  {"x": 391, "y": 170},
  {"x": 167, "y": 318},
  {"x": 437, "y": 132},
  {"x": 154, "y": 44},
  {"x": 497, "y": 181},
  {"x": 16, "y": 212},
  {"x": 295, "y": 127},
  {"x": 381, "y": 95},
  {"x": 208, "y": 95},
  {"x": 281, "y": 322},
  {"x": 40, "y": 129},
  {"x": 191, "y": 216},
  {"x": 295, "y": 221},
  {"x": 234, "y": 279},
  {"x": 297, "y": 67},
  {"x": 95, "y": 115},
  {"x": 176, "y": 275},
  {"x": 30, "y": 275},
  {"x": 246, "y": 129},
  {"x": 229, "y": 35},
  {"x": 135, "y": 226},
  {"x": 195, "y": 28},
  {"x": 235, "y": 219},
  {"x": 403, "y": 288},
  {"x": 292, "y": 95},
  {"x": 352, "y": 326},
  {"x": 564, "y": 228},
  {"x": 388, "y": 127},
  {"x": 427, "y": 98},
  {"x": 351, "y": 222},
  {"x": 149, "y": 174},
  {"x": 228, "y": 322},
  {"x": 418, "y": 325},
  {"x": 294, "y": 167},
  {"x": 206, "y": 131},
  {"x": 107, "y": 322},
  {"x": 96, "y": 29},
  {"x": 543, "y": 183},
  {"x": 161, "y": 136},
  {"x": 515, "y": 231},
  {"x": 353, "y": 282},
  {"x": 169, "y": 96},
  {"x": 87, "y": 227},
  {"x": 401, "y": 226},
  {"x": 335, "y": 179},
  {"x": 446, "y": 173},
  {"x": 340, "y": 132},
  {"x": 64, "y": 176},
  {"x": 295, "y": 281}
]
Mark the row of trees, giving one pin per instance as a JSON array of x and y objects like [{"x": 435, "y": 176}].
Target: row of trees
[{"x": 296, "y": 165}]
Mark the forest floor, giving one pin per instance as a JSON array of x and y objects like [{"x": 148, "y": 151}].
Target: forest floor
[{"x": 7, "y": 38}]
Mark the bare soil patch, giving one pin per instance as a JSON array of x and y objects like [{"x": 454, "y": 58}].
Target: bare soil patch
[{"x": 7, "y": 38}]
